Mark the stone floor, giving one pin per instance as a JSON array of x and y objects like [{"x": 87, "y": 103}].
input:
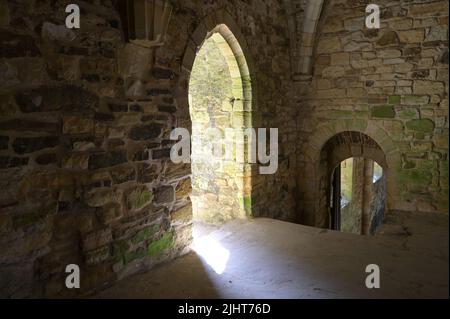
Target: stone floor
[{"x": 264, "y": 258}]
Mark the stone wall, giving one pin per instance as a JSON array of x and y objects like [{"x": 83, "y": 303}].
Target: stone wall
[
  {"x": 365, "y": 212},
  {"x": 391, "y": 84},
  {"x": 351, "y": 215},
  {"x": 84, "y": 138},
  {"x": 377, "y": 205}
]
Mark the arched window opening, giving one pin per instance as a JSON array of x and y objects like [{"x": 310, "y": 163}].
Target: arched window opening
[{"x": 220, "y": 106}]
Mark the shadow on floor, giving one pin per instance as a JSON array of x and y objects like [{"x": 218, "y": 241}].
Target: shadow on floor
[{"x": 172, "y": 280}]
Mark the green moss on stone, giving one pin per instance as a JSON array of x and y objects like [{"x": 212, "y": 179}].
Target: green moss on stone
[
  {"x": 384, "y": 111},
  {"x": 120, "y": 249},
  {"x": 139, "y": 198},
  {"x": 144, "y": 234},
  {"x": 160, "y": 245},
  {"x": 417, "y": 177},
  {"x": 409, "y": 114},
  {"x": 424, "y": 125},
  {"x": 415, "y": 100},
  {"x": 409, "y": 165},
  {"x": 394, "y": 99},
  {"x": 133, "y": 255},
  {"x": 246, "y": 203},
  {"x": 419, "y": 136},
  {"x": 427, "y": 164}
]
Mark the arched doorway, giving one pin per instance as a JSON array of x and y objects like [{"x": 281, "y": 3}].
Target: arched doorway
[
  {"x": 353, "y": 183},
  {"x": 220, "y": 101},
  {"x": 358, "y": 196}
]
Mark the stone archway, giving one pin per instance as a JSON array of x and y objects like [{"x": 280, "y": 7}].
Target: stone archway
[
  {"x": 220, "y": 31},
  {"x": 363, "y": 152},
  {"x": 314, "y": 212}
]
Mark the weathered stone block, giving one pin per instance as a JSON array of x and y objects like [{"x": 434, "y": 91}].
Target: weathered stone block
[
  {"x": 417, "y": 177},
  {"x": 424, "y": 125},
  {"x": 182, "y": 215},
  {"x": 411, "y": 36},
  {"x": 384, "y": 111},
  {"x": 420, "y": 74},
  {"x": 67, "y": 98},
  {"x": 17, "y": 45},
  {"x": 157, "y": 247},
  {"x": 111, "y": 212},
  {"x": 25, "y": 145},
  {"x": 165, "y": 195},
  {"x": 412, "y": 51},
  {"x": 394, "y": 61},
  {"x": 141, "y": 155},
  {"x": 147, "y": 173},
  {"x": 358, "y": 46},
  {"x": 323, "y": 84},
  {"x": 76, "y": 161},
  {"x": 19, "y": 125},
  {"x": 428, "y": 9},
  {"x": 77, "y": 125},
  {"x": 415, "y": 100},
  {"x": 100, "y": 197},
  {"x": 98, "y": 255},
  {"x": 389, "y": 53},
  {"x": 55, "y": 32},
  {"x": 123, "y": 174},
  {"x": 110, "y": 159},
  {"x": 409, "y": 113},
  {"x": 421, "y": 87},
  {"x": 441, "y": 141},
  {"x": 146, "y": 132},
  {"x": 333, "y": 72},
  {"x": 184, "y": 188},
  {"x": 161, "y": 154},
  {"x": 356, "y": 92},
  {"x": 68, "y": 67},
  {"x": 163, "y": 74},
  {"x": 328, "y": 45},
  {"x": 97, "y": 239},
  {"x": 342, "y": 58},
  {"x": 394, "y": 99},
  {"x": 354, "y": 24},
  {"x": 139, "y": 198},
  {"x": 437, "y": 33},
  {"x": 133, "y": 61},
  {"x": 144, "y": 234},
  {"x": 389, "y": 38}
]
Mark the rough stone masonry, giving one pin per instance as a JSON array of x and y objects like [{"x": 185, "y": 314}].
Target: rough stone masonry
[{"x": 85, "y": 118}]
